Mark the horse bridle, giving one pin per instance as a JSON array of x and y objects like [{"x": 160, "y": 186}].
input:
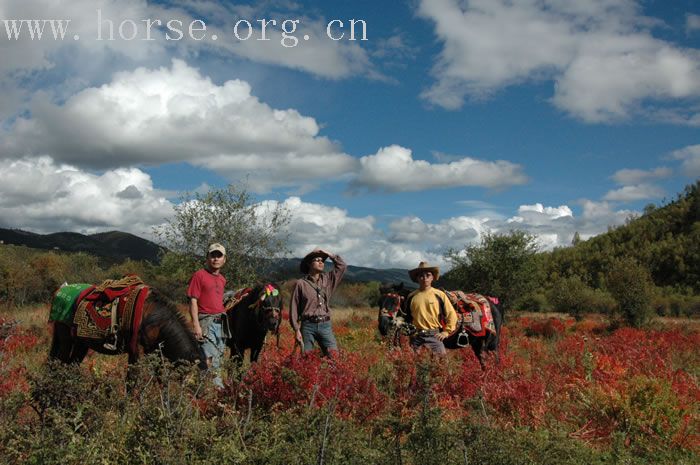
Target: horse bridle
[{"x": 392, "y": 312}]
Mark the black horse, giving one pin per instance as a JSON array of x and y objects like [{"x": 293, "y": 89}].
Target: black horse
[
  {"x": 250, "y": 319},
  {"x": 488, "y": 342},
  {"x": 391, "y": 316},
  {"x": 162, "y": 327}
]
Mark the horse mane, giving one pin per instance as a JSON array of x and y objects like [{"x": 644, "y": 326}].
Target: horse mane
[{"x": 174, "y": 328}]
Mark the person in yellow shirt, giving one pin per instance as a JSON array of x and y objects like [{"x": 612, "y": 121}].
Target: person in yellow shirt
[{"x": 429, "y": 310}]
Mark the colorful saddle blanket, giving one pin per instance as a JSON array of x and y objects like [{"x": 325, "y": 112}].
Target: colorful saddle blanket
[
  {"x": 473, "y": 312},
  {"x": 102, "y": 312},
  {"x": 231, "y": 298},
  {"x": 63, "y": 304}
]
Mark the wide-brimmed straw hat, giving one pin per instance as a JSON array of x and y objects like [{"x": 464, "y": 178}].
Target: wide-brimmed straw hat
[
  {"x": 304, "y": 265},
  {"x": 422, "y": 267}
]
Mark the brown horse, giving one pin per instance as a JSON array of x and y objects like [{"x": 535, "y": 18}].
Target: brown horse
[{"x": 162, "y": 328}]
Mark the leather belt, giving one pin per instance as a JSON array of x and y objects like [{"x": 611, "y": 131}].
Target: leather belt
[
  {"x": 215, "y": 318},
  {"x": 316, "y": 318},
  {"x": 427, "y": 332}
]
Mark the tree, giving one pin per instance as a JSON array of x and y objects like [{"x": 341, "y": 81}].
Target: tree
[
  {"x": 251, "y": 233},
  {"x": 503, "y": 265},
  {"x": 631, "y": 286},
  {"x": 576, "y": 239}
]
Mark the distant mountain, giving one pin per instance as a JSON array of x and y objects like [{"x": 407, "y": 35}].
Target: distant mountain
[
  {"x": 288, "y": 268},
  {"x": 116, "y": 246},
  {"x": 113, "y": 245}
]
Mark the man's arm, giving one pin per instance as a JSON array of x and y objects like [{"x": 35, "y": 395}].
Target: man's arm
[
  {"x": 194, "y": 313},
  {"x": 450, "y": 318},
  {"x": 339, "y": 268}
]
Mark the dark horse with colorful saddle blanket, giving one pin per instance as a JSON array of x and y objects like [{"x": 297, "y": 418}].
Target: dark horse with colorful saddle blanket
[
  {"x": 479, "y": 320},
  {"x": 116, "y": 317},
  {"x": 479, "y": 323},
  {"x": 252, "y": 313}
]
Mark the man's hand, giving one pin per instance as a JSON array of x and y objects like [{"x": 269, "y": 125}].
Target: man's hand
[
  {"x": 298, "y": 336},
  {"x": 442, "y": 335},
  {"x": 197, "y": 331}
]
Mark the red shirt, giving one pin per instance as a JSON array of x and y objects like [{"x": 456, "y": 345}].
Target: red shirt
[{"x": 208, "y": 289}]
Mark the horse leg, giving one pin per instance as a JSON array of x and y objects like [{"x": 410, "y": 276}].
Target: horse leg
[
  {"x": 256, "y": 348},
  {"x": 477, "y": 346},
  {"x": 131, "y": 372},
  {"x": 79, "y": 352},
  {"x": 62, "y": 343}
]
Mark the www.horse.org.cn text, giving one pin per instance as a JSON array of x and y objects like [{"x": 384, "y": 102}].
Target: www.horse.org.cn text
[{"x": 288, "y": 33}]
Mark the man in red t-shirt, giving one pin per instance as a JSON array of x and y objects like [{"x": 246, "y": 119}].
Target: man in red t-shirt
[{"x": 206, "y": 294}]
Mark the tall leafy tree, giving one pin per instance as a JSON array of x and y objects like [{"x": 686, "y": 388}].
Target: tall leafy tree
[
  {"x": 502, "y": 265},
  {"x": 252, "y": 234}
]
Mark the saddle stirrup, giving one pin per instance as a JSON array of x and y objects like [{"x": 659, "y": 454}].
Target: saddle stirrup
[{"x": 111, "y": 342}]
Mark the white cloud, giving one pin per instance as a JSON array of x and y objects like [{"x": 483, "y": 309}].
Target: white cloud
[
  {"x": 175, "y": 114},
  {"x": 635, "y": 193},
  {"x": 90, "y": 19},
  {"x": 628, "y": 177},
  {"x": 50, "y": 197},
  {"x": 394, "y": 169},
  {"x": 600, "y": 53},
  {"x": 692, "y": 23},
  {"x": 690, "y": 157}
]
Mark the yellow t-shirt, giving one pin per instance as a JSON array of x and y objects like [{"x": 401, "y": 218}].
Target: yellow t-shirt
[{"x": 425, "y": 310}]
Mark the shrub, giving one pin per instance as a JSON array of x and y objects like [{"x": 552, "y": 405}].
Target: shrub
[
  {"x": 533, "y": 302},
  {"x": 571, "y": 295},
  {"x": 631, "y": 286}
]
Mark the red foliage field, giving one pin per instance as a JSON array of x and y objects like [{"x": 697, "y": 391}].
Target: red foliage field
[{"x": 582, "y": 378}]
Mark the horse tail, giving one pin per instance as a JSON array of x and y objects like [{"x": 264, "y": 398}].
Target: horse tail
[{"x": 493, "y": 339}]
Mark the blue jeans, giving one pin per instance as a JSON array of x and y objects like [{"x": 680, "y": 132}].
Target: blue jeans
[
  {"x": 318, "y": 332},
  {"x": 213, "y": 345}
]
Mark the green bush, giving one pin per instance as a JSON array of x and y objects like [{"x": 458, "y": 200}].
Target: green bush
[
  {"x": 630, "y": 285},
  {"x": 533, "y": 302},
  {"x": 571, "y": 295}
]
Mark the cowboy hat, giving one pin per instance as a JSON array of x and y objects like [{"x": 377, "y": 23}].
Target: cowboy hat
[
  {"x": 304, "y": 265},
  {"x": 423, "y": 266}
]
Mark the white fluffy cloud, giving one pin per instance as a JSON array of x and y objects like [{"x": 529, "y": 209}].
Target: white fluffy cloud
[
  {"x": 155, "y": 116},
  {"x": 56, "y": 197},
  {"x": 690, "y": 157},
  {"x": 627, "y": 177},
  {"x": 394, "y": 169},
  {"x": 600, "y": 53},
  {"x": 319, "y": 55},
  {"x": 635, "y": 193},
  {"x": 50, "y": 197}
]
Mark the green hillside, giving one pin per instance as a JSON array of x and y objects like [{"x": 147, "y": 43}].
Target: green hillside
[{"x": 665, "y": 240}]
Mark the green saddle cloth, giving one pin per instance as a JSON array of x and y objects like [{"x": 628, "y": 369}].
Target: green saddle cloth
[{"x": 63, "y": 304}]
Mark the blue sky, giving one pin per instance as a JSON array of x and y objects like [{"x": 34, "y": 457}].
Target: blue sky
[{"x": 453, "y": 119}]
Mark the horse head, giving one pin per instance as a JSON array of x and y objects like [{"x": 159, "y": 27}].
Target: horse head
[
  {"x": 390, "y": 304},
  {"x": 164, "y": 327},
  {"x": 268, "y": 306}
]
